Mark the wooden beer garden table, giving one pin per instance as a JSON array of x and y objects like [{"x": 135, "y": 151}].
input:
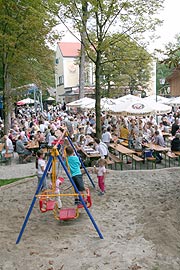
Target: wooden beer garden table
[
  {"x": 90, "y": 153},
  {"x": 122, "y": 150}
]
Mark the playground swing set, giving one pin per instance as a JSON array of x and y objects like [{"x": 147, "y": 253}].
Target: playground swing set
[{"x": 47, "y": 198}]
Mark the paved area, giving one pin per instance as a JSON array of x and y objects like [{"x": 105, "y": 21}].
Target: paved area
[{"x": 16, "y": 170}]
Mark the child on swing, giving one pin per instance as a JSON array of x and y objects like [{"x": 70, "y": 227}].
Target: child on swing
[
  {"x": 101, "y": 173},
  {"x": 74, "y": 165},
  {"x": 59, "y": 181}
]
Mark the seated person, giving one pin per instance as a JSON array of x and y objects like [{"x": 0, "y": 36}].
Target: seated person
[
  {"x": 9, "y": 148},
  {"x": 51, "y": 138},
  {"x": 158, "y": 140},
  {"x": 175, "y": 143},
  {"x": 21, "y": 149},
  {"x": 124, "y": 132},
  {"x": 39, "y": 136}
]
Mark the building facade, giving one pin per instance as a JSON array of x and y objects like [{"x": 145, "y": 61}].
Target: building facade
[
  {"x": 66, "y": 68},
  {"x": 174, "y": 82},
  {"x": 67, "y": 72}
]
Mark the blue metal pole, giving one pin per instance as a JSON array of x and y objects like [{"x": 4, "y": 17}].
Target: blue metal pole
[
  {"x": 80, "y": 197},
  {"x": 69, "y": 139},
  {"x": 34, "y": 199}
]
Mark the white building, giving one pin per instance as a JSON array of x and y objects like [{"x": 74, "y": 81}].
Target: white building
[
  {"x": 67, "y": 68},
  {"x": 67, "y": 71}
]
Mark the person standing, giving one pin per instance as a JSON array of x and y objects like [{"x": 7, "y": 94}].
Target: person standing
[
  {"x": 175, "y": 127},
  {"x": 40, "y": 166},
  {"x": 101, "y": 173},
  {"x": 175, "y": 143},
  {"x": 106, "y": 136},
  {"x": 101, "y": 147},
  {"x": 74, "y": 164}
]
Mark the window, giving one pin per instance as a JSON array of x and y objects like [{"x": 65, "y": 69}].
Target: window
[{"x": 61, "y": 80}]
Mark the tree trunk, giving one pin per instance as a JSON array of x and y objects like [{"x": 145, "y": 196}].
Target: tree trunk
[
  {"x": 98, "y": 95},
  {"x": 82, "y": 59},
  {"x": 82, "y": 69},
  {"x": 6, "y": 98}
]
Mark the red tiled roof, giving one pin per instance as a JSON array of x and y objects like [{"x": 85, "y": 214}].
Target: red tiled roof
[{"x": 70, "y": 49}]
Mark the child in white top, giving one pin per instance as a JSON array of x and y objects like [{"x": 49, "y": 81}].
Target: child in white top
[
  {"x": 59, "y": 181},
  {"x": 101, "y": 172},
  {"x": 40, "y": 166}
]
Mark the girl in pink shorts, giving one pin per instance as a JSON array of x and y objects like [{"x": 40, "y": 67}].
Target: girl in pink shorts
[{"x": 101, "y": 172}]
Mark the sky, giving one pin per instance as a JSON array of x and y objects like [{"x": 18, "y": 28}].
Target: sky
[
  {"x": 171, "y": 25},
  {"x": 167, "y": 32}
]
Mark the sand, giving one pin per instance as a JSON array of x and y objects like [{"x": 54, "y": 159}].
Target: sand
[{"x": 139, "y": 218}]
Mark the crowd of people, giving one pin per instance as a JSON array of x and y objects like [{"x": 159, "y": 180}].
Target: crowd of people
[{"x": 44, "y": 128}]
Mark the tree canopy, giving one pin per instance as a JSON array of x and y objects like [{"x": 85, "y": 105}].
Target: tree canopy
[
  {"x": 25, "y": 31},
  {"x": 99, "y": 19}
]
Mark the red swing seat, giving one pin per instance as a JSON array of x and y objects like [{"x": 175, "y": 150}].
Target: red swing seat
[{"x": 67, "y": 213}]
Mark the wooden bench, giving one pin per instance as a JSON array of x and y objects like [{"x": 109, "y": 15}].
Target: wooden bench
[
  {"x": 172, "y": 156},
  {"x": 116, "y": 160},
  {"x": 136, "y": 159},
  {"x": 109, "y": 163},
  {"x": 177, "y": 153},
  {"x": 152, "y": 160},
  {"x": 8, "y": 157},
  {"x": 124, "y": 143},
  {"x": 21, "y": 158}
]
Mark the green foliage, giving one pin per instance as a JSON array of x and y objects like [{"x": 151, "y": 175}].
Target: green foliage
[
  {"x": 162, "y": 72},
  {"x": 125, "y": 63},
  {"x": 172, "y": 53},
  {"x": 132, "y": 18},
  {"x": 169, "y": 59},
  {"x": 25, "y": 32},
  {"x": 24, "y": 29}
]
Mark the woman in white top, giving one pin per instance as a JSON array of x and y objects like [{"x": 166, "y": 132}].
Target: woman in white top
[
  {"x": 106, "y": 136},
  {"x": 101, "y": 148}
]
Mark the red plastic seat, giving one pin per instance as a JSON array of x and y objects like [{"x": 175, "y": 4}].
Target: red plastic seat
[
  {"x": 87, "y": 200},
  {"x": 67, "y": 213},
  {"x": 46, "y": 205}
]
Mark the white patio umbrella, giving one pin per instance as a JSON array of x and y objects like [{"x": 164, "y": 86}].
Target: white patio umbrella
[
  {"x": 157, "y": 98},
  {"x": 139, "y": 107},
  {"x": 50, "y": 99},
  {"x": 174, "y": 101},
  {"x": 80, "y": 102},
  {"x": 25, "y": 101},
  {"x": 105, "y": 104},
  {"x": 127, "y": 98},
  {"x": 160, "y": 108}
]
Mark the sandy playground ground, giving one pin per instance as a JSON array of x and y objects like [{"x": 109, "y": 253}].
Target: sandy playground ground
[{"x": 139, "y": 218}]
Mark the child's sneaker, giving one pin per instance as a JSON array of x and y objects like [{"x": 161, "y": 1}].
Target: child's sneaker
[
  {"x": 77, "y": 201},
  {"x": 101, "y": 193}
]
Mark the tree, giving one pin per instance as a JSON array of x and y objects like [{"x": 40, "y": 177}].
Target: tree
[
  {"x": 125, "y": 64},
  {"x": 24, "y": 32},
  {"x": 132, "y": 17},
  {"x": 169, "y": 58},
  {"x": 171, "y": 54}
]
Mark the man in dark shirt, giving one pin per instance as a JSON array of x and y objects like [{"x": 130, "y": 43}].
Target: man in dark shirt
[
  {"x": 175, "y": 144},
  {"x": 175, "y": 127}
]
